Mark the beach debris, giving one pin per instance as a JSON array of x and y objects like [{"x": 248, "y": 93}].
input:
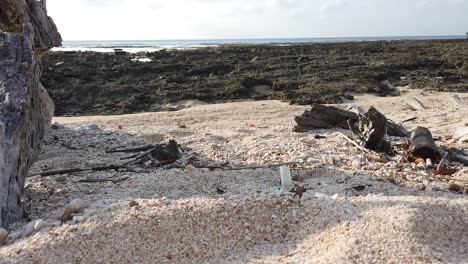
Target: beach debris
[
  {"x": 75, "y": 206},
  {"x": 348, "y": 96},
  {"x": 423, "y": 145},
  {"x": 32, "y": 227},
  {"x": 455, "y": 187},
  {"x": 445, "y": 170},
  {"x": 455, "y": 156},
  {"x": 74, "y": 170},
  {"x": 396, "y": 130},
  {"x": 405, "y": 145},
  {"x": 57, "y": 126},
  {"x": 299, "y": 191},
  {"x": 220, "y": 191},
  {"x": 353, "y": 142},
  {"x": 409, "y": 119},
  {"x": 286, "y": 179},
  {"x": 133, "y": 203},
  {"x": 377, "y": 158},
  {"x": 386, "y": 88},
  {"x": 131, "y": 150},
  {"x": 162, "y": 153},
  {"x": 429, "y": 163},
  {"x": 110, "y": 179},
  {"x": 322, "y": 116},
  {"x": 373, "y": 126},
  {"x": 415, "y": 104},
  {"x": 435, "y": 188}
]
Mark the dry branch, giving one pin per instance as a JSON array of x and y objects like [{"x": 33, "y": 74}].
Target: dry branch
[
  {"x": 111, "y": 179},
  {"x": 415, "y": 104},
  {"x": 74, "y": 170},
  {"x": 131, "y": 150}
]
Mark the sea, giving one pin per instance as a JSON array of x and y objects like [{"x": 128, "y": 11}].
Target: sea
[{"x": 156, "y": 45}]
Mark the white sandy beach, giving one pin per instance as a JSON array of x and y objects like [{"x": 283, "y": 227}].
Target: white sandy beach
[{"x": 355, "y": 211}]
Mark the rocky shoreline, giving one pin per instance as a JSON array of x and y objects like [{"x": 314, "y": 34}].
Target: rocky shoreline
[{"x": 88, "y": 83}]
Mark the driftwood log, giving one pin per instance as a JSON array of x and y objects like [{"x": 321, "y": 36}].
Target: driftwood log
[
  {"x": 322, "y": 116},
  {"x": 26, "y": 33},
  {"x": 423, "y": 145},
  {"x": 373, "y": 127}
]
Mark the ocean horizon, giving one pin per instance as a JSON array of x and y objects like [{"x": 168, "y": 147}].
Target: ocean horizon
[{"x": 155, "y": 45}]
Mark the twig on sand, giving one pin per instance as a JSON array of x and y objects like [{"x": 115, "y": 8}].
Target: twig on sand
[
  {"x": 73, "y": 170},
  {"x": 255, "y": 167},
  {"x": 132, "y": 150},
  {"x": 351, "y": 128},
  {"x": 111, "y": 179},
  {"x": 409, "y": 119},
  {"x": 354, "y": 143}
]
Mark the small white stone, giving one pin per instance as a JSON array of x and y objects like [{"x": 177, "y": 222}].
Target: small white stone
[
  {"x": 15, "y": 235},
  {"x": 80, "y": 218},
  {"x": 38, "y": 225},
  {"x": 88, "y": 127},
  {"x": 29, "y": 229}
]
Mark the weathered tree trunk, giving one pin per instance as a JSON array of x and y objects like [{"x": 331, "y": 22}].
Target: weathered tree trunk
[
  {"x": 373, "y": 126},
  {"x": 423, "y": 145},
  {"x": 26, "y": 109},
  {"x": 322, "y": 116}
]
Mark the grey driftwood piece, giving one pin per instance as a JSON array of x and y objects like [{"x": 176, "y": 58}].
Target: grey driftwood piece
[
  {"x": 373, "y": 126},
  {"x": 26, "y": 32},
  {"x": 322, "y": 116},
  {"x": 423, "y": 145}
]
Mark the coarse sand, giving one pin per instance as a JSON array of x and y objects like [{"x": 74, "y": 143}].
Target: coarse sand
[{"x": 354, "y": 210}]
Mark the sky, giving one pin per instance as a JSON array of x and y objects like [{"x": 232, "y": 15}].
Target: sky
[{"x": 240, "y": 19}]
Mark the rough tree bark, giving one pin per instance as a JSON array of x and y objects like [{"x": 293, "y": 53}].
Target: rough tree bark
[
  {"x": 373, "y": 126},
  {"x": 322, "y": 116},
  {"x": 26, "y": 109},
  {"x": 423, "y": 145}
]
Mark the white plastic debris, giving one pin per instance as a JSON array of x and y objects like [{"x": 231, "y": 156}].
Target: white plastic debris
[{"x": 286, "y": 180}]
